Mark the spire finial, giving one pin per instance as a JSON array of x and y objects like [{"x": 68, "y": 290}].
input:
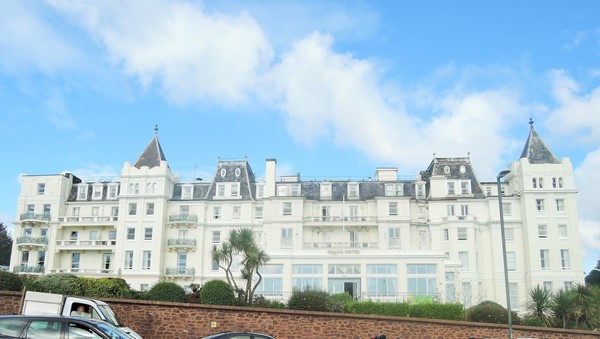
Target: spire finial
[
  {"x": 531, "y": 122},
  {"x": 155, "y": 129}
]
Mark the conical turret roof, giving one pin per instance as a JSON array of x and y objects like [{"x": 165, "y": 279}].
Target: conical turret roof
[
  {"x": 152, "y": 155},
  {"x": 535, "y": 149}
]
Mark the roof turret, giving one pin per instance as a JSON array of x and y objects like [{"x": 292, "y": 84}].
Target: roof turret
[
  {"x": 153, "y": 154},
  {"x": 535, "y": 149}
]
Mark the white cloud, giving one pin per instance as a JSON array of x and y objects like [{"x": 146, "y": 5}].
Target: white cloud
[
  {"x": 577, "y": 114},
  {"x": 330, "y": 95},
  {"x": 588, "y": 181},
  {"x": 190, "y": 53},
  {"x": 30, "y": 43},
  {"x": 95, "y": 172}
]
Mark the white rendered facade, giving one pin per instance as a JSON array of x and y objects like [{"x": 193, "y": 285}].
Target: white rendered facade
[{"x": 388, "y": 239}]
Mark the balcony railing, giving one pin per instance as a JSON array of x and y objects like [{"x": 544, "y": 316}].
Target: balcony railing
[
  {"x": 173, "y": 271},
  {"x": 182, "y": 242},
  {"x": 35, "y": 216},
  {"x": 42, "y": 241},
  {"x": 340, "y": 245},
  {"x": 183, "y": 218},
  {"x": 86, "y": 271},
  {"x": 83, "y": 244},
  {"x": 95, "y": 219},
  {"x": 351, "y": 219},
  {"x": 28, "y": 269}
]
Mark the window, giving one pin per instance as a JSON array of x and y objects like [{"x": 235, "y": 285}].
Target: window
[
  {"x": 421, "y": 279},
  {"x": 24, "y": 258},
  {"x": 150, "y": 208},
  {"x": 307, "y": 277},
  {"x": 394, "y": 237},
  {"x": 539, "y": 205},
  {"x": 258, "y": 212},
  {"x": 95, "y": 211},
  {"x": 217, "y": 212},
  {"x": 286, "y": 237},
  {"x": 215, "y": 266},
  {"x": 343, "y": 269},
  {"x": 41, "y": 188},
  {"x": 132, "y": 208},
  {"x": 565, "y": 259},
  {"x": 488, "y": 191},
  {"x": 544, "y": 259},
  {"x": 46, "y": 212},
  {"x": 220, "y": 190},
  {"x": 513, "y": 292},
  {"x": 27, "y": 232},
  {"x": 466, "y": 293},
  {"x": 130, "y": 233},
  {"x": 509, "y": 234},
  {"x": 31, "y": 208},
  {"x": 534, "y": 182},
  {"x": 146, "y": 260},
  {"x": 235, "y": 189},
  {"x": 560, "y": 205},
  {"x": 114, "y": 212},
  {"x": 235, "y": 212},
  {"x": 568, "y": 285},
  {"x": 148, "y": 233},
  {"x": 393, "y": 208},
  {"x": 446, "y": 234},
  {"x": 463, "y": 257},
  {"x": 181, "y": 262},
  {"x": 563, "y": 231},
  {"x": 272, "y": 282},
  {"x": 325, "y": 213},
  {"x": 541, "y": 182},
  {"x": 260, "y": 191},
  {"x": 464, "y": 210},
  {"x": 382, "y": 279},
  {"x": 74, "y": 235},
  {"x": 216, "y": 237},
  {"x": 450, "y": 210},
  {"x": 542, "y": 231},
  {"x": 420, "y": 191},
  {"x": 187, "y": 192},
  {"x": 287, "y": 190},
  {"x": 97, "y": 192},
  {"x": 465, "y": 187},
  {"x": 511, "y": 261},
  {"x": 82, "y": 192},
  {"x": 506, "y": 208},
  {"x": 450, "y": 289},
  {"x": 75, "y": 258},
  {"x": 325, "y": 190},
  {"x": 451, "y": 188},
  {"x": 394, "y": 190},
  {"x": 287, "y": 208},
  {"x": 548, "y": 286},
  {"x": 353, "y": 191},
  {"x": 462, "y": 233},
  {"x": 136, "y": 188},
  {"x": 144, "y": 287},
  {"x": 128, "y": 260},
  {"x": 184, "y": 210},
  {"x": 553, "y": 182},
  {"x": 93, "y": 235},
  {"x": 560, "y": 182}
]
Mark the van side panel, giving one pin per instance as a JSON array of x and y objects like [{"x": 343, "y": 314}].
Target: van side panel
[{"x": 37, "y": 303}]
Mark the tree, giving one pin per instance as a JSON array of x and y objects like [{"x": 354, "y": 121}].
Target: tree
[
  {"x": 593, "y": 278},
  {"x": 540, "y": 305},
  {"x": 562, "y": 307},
  {"x": 5, "y": 245},
  {"x": 241, "y": 244}
]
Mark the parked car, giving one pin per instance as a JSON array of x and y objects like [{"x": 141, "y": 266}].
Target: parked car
[
  {"x": 50, "y": 327},
  {"x": 239, "y": 335}
]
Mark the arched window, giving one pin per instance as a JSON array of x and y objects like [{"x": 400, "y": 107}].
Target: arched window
[
  {"x": 534, "y": 182},
  {"x": 541, "y": 182},
  {"x": 553, "y": 182},
  {"x": 560, "y": 182},
  {"x": 154, "y": 188},
  {"x": 136, "y": 189},
  {"x": 130, "y": 189}
]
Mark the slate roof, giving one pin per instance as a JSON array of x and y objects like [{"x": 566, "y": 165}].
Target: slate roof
[
  {"x": 152, "y": 155},
  {"x": 535, "y": 149},
  {"x": 438, "y": 167}
]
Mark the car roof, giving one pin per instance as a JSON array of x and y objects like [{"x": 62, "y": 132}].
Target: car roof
[{"x": 79, "y": 319}]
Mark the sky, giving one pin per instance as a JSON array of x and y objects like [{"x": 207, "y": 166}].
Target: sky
[{"x": 331, "y": 89}]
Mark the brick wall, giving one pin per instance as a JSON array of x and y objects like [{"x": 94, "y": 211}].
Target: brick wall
[{"x": 174, "y": 320}]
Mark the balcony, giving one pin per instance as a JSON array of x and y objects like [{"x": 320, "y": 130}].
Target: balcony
[
  {"x": 85, "y": 244},
  {"x": 338, "y": 245},
  {"x": 78, "y": 221},
  {"x": 35, "y": 217},
  {"x": 179, "y": 272},
  {"x": 188, "y": 220},
  {"x": 87, "y": 271},
  {"x": 28, "y": 269},
  {"x": 339, "y": 221},
  {"x": 31, "y": 242},
  {"x": 181, "y": 244}
]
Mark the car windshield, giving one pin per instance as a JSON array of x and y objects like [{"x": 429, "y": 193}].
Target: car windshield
[
  {"x": 113, "y": 331},
  {"x": 110, "y": 315}
]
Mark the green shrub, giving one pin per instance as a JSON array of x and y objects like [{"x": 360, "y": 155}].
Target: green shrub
[
  {"x": 60, "y": 283},
  {"x": 10, "y": 281},
  {"x": 217, "y": 292},
  {"x": 167, "y": 291},
  {"x": 261, "y": 301},
  {"x": 380, "y": 308},
  {"x": 309, "y": 300},
  {"x": 106, "y": 288},
  {"x": 438, "y": 311},
  {"x": 338, "y": 302},
  {"x": 490, "y": 312}
]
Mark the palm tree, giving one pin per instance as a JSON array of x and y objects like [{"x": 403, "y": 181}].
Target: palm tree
[
  {"x": 563, "y": 306},
  {"x": 540, "y": 305},
  {"x": 583, "y": 304}
]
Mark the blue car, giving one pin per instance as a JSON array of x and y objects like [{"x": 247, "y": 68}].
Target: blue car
[
  {"x": 239, "y": 335},
  {"x": 24, "y": 326}
]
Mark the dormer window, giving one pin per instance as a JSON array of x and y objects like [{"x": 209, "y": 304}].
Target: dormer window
[
  {"x": 260, "y": 191},
  {"x": 325, "y": 190},
  {"x": 353, "y": 191},
  {"x": 288, "y": 190},
  {"x": 227, "y": 190},
  {"x": 420, "y": 190},
  {"x": 97, "y": 192},
  {"x": 82, "y": 192},
  {"x": 395, "y": 190},
  {"x": 187, "y": 192},
  {"x": 451, "y": 190},
  {"x": 113, "y": 190},
  {"x": 235, "y": 189},
  {"x": 465, "y": 187},
  {"x": 220, "y": 190}
]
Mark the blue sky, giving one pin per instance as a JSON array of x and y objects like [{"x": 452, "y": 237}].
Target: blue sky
[{"x": 328, "y": 88}]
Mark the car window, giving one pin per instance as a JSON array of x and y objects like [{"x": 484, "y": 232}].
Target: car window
[
  {"x": 240, "y": 337},
  {"x": 81, "y": 331},
  {"x": 12, "y": 327},
  {"x": 49, "y": 329}
]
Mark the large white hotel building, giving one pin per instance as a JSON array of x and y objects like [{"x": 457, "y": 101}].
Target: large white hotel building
[{"x": 435, "y": 236}]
